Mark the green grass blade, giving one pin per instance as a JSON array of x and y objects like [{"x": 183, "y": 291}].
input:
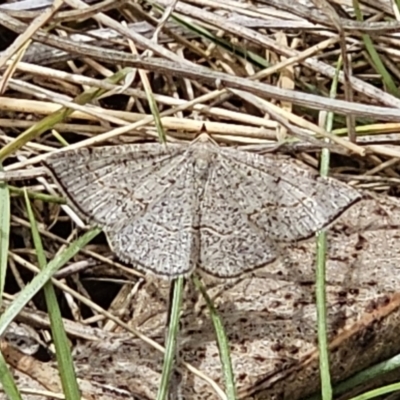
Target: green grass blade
[
  {"x": 366, "y": 375},
  {"x": 42, "y": 277},
  {"x": 63, "y": 354},
  {"x": 326, "y": 386},
  {"x": 156, "y": 114},
  {"x": 5, "y": 216},
  {"x": 153, "y": 108},
  {"x": 6, "y": 378},
  {"x": 173, "y": 329},
  {"x": 376, "y": 60},
  {"x": 222, "y": 340},
  {"x": 323, "y": 345},
  {"x": 7, "y": 381},
  {"x": 378, "y": 392},
  {"x": 48, "y": 198}
]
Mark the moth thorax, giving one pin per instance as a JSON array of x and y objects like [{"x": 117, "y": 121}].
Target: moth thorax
[{"x": 202, "y": 163}]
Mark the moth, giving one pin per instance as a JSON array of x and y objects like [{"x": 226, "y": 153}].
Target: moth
[{"x": 171, "y": 208}]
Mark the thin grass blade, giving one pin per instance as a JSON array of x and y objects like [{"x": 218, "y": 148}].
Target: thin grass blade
[
  {"x": 222, "y": 340},
  {"x": 4, "y": 232},
  {"x": 63, "y": 354},
  {"x": 41, "y": 279},
  {"x": 170, "y": 348},
  {"x": 6, "y": 378}
]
